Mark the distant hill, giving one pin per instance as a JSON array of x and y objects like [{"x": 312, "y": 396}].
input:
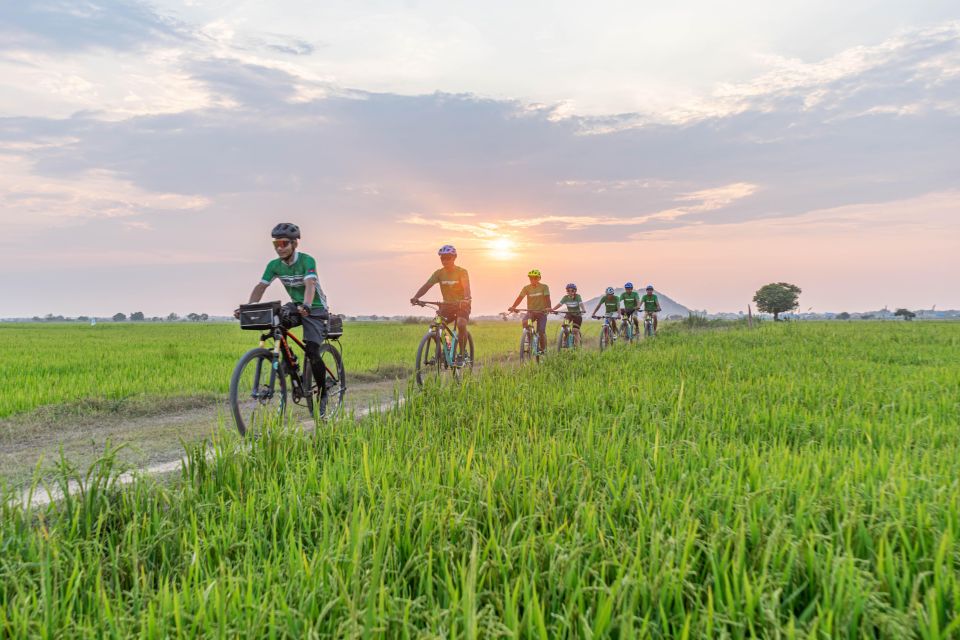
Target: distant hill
[{"x": 669, "y": 305}]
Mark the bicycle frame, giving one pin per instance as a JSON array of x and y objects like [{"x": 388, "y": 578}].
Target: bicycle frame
[
  {"x": 569, "y": 327},
  {"x": 442, "y": 329},
  {"x": 281, "y": 350}
]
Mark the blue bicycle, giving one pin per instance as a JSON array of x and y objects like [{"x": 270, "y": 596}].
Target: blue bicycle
[
  {"x": 607, "y": 335},
  {"x": 439, "y": 354},
  {"x": 530, "y": 347}
]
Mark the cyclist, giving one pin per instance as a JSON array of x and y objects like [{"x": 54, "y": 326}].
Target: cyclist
[
  {"x": 538, "y": 303},
  {"x": 651, "y": 305},
  {"x": 298, "y": 273},
  {"x": 575, "y": 310},
  {"x": 629, "y": 302},
  {"x": 611, "y": 306},
  {"x": 455, "y": 288}
]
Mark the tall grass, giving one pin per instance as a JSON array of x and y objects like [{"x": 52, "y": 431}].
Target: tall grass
[{"x": 793, "y": 481}]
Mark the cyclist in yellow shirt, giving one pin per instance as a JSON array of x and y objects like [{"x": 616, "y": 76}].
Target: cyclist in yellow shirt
[
  {"x": 455, "y": 289},
  {"x": 538, "y": 304}
]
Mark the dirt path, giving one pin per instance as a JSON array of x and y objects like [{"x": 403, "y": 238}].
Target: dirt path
[{"x": 152, "y": 431}]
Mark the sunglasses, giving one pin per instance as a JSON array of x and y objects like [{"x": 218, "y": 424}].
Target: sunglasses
[{"x": 282, "y": 244}]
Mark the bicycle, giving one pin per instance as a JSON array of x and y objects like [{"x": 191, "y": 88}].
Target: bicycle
[
  {"x": 648, "y": 330},
  {"x": 607, "y": 334},
  {"x": 258, "y": 386},
  {"x": 630, "y": 327},
  {"x": 568, "y": 337},
  {"x": 530, "y": 347},
  {"x": 439, "y": 351}
]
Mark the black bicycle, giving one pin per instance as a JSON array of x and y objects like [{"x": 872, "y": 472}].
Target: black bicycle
[{"x": 259, "y": 385}]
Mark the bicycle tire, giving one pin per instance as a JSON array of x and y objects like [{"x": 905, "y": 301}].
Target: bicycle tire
[
  {"x": 250, "y": 424},
  {"x": 525, "y": 345},
  {"x": 605, "y": 337},
  {"x": 458, "y": 371},
  {"x": 427, "y": 364},
  {"x": 330, "y": 397},
  {"x": 562, "y": 342}
]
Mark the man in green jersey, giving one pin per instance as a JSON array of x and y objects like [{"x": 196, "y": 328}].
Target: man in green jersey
[
  {"x": 611, "y": 305},
  {"x": 538, "y": 303},
  {"x": 455, "y": 289},
  {"x": 651, "y": 305},
  {"x": 575, "y": 310},
  {"x": 630, "y": 303},
  {"x": 298, "y": 273}
]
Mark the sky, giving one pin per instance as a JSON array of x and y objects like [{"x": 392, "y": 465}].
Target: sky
[{"x": 708, "y": 148}]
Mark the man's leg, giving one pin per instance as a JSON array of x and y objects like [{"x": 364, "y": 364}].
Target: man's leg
[
  {"x": 577, "y": 322},
  {"x": 316, "y": 365},
  {"x": 462, "y": 333}
]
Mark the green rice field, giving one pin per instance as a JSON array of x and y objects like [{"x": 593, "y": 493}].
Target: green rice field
[
  {"x": 45, "y": 364},
  {"x": 793, "y": 481}
]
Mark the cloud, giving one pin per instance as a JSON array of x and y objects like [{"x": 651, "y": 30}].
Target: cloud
[{"x": 67, "y": 25}]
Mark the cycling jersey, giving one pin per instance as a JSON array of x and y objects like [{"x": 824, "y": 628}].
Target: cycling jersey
[
  {"x": 650, "y": 302},
  {"x": 611, "y": 303},
  {"x": 537, "y": 295},
  {"x": 294, "y": 277},
  {"x": 573, "y": 303},
  {"x": 451, "y": 283},
  {"x": 630, "y": 300}
]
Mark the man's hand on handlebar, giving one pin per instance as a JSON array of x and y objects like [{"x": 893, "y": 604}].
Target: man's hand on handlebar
[
  {"x": 303, "y": 311},
  {"x": 236, "y": 313},
  {"x": 415, "y": 302}
]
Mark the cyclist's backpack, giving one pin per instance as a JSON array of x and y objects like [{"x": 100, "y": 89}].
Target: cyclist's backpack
[{"x": 334, "y": 327}]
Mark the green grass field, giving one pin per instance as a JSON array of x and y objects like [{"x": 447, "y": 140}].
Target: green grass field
[
  {"x": 798, "y": 480},
  {"x": 50, "y": 364}
]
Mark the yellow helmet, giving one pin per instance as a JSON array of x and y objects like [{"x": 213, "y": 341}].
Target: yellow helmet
[{"x": 534, "y": 273}]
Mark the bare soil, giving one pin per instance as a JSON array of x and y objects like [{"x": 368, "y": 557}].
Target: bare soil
[{"x": 152, "y": 430}]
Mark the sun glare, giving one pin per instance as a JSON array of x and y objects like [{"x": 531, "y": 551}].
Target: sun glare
[{"x": 501, "y": 248}]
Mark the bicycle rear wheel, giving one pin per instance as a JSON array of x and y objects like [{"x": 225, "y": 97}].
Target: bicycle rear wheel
[
  {"x": 258, "y": 393},
  {"x": 327, "y": 396}
]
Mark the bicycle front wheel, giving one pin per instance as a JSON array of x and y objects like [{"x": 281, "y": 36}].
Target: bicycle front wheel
[
  {"x": 563, "y": 339},
  {"x": 430, "y": 359},
  {"x": 258, "y": 392},
  {"x": 606, "y": 337},
  {"x": 525, "y": 346},
  {"x": 325, "y": 397}
]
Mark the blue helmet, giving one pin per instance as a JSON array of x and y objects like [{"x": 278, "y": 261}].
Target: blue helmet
[
  {"x": 570, "y": 285},
  {"x": 447, "y": 250},
  {"x": 629, "y": 285},
  {"x": 649, "y": 287},
  {"x": 610, "y": 291}
]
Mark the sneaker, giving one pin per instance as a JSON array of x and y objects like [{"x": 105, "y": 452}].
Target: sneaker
[{"x": 458, "y": 360}]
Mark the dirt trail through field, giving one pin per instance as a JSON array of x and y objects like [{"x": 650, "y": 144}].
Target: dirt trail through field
[{"x": 152, "y": 432}]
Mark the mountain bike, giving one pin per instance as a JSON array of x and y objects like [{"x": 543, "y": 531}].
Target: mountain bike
[
  {"x": 259, "y": 384},
  {"x": 568, "y": 337},
  {"x": 439, "y": 352},
  {"x": 530, "y": 347},
  {"x": 607, "y": 335},
  {"x": 648, "y": 330},
  {"x": 630, "y": 328}
]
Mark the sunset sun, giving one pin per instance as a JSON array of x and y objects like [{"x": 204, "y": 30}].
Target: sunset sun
[{"x": 502, "y": 248}]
